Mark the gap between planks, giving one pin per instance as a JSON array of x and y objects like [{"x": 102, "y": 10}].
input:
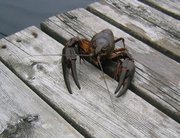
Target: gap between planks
[
  {"x": 77, "y": 22},
  {"x": 169, "y": 7},
  {"x": 142, "y": 22},
  {"x": 19, "y": 102},
  {"x": 91, "y": 110}
]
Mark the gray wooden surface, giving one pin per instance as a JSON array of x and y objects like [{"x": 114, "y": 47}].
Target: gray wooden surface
[
  {"x": 19, "y": 102},
  {"x": 170, "y": 7},
  {"x": 143, "y": 22},
  {"x": 138, "y": 10},
  {"x": 90, "y": 110},
  {"x": 157, "y": 77}
]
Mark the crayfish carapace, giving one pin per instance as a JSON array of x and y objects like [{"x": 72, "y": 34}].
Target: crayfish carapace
[{"x": 100, "y": 51}]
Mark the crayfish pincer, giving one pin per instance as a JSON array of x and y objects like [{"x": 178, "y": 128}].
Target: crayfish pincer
[{"x": 100, "y": 51}]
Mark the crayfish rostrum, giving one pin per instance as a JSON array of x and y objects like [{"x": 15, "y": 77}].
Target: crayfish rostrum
[{"x": 101, "y": 51}]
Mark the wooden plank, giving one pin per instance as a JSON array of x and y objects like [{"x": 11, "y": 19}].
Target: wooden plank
[
  {"x": 142, "y": 22},
  {"x": 23, "y": 114},
  {"x": 90, "y": 110},
  {"x": 154, "y": 70},
  {"x": 136, "y": 8},
  {"x": 170, "y": 7}
]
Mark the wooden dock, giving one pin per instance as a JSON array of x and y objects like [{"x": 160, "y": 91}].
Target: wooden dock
[{"x": 34, "y": 98}]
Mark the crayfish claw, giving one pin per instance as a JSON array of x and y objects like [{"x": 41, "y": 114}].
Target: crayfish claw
[
  {"x": 74, "y": 74},
  {"x": 68, "y": 63},
  {"x": 127, "y": 73}
]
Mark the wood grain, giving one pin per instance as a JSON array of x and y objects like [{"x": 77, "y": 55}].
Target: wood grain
[
  {"x": 143, "y": 22},
  {"x": 90, "y": 110},
  {"x": 153, "y": 66},
  {"x": 170, "y": 7},
  {"x": 18, "y": 102},
  {"x": 136, "y": 8}
]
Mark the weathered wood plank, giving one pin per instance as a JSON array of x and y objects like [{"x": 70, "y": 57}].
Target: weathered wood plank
[
  {"x": 143, "y": 22},
  {"x": 136, "y": 8},
  {"x": 18, "y": 102},
  {"x": 90, "y": 109},
  {"x": 170, "y": 7},
  {"x": 154, "y": 67}
]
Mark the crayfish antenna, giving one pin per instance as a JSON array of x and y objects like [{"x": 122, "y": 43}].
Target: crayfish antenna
[{"x": 100, "y": 65}]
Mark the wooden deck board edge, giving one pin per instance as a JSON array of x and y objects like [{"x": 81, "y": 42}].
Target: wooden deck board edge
[
  {"x": 21, "y": 101},
  {"x": 80, "y": 106},
  {"x": 160, "y": 8},
  {"x": 145, "y": 94},
  {"x": 173, "y": 113},
  {"x": 151, "y": 43}
]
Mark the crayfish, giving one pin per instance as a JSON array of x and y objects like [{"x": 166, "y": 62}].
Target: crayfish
[{"x": 100, "y": 51}]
